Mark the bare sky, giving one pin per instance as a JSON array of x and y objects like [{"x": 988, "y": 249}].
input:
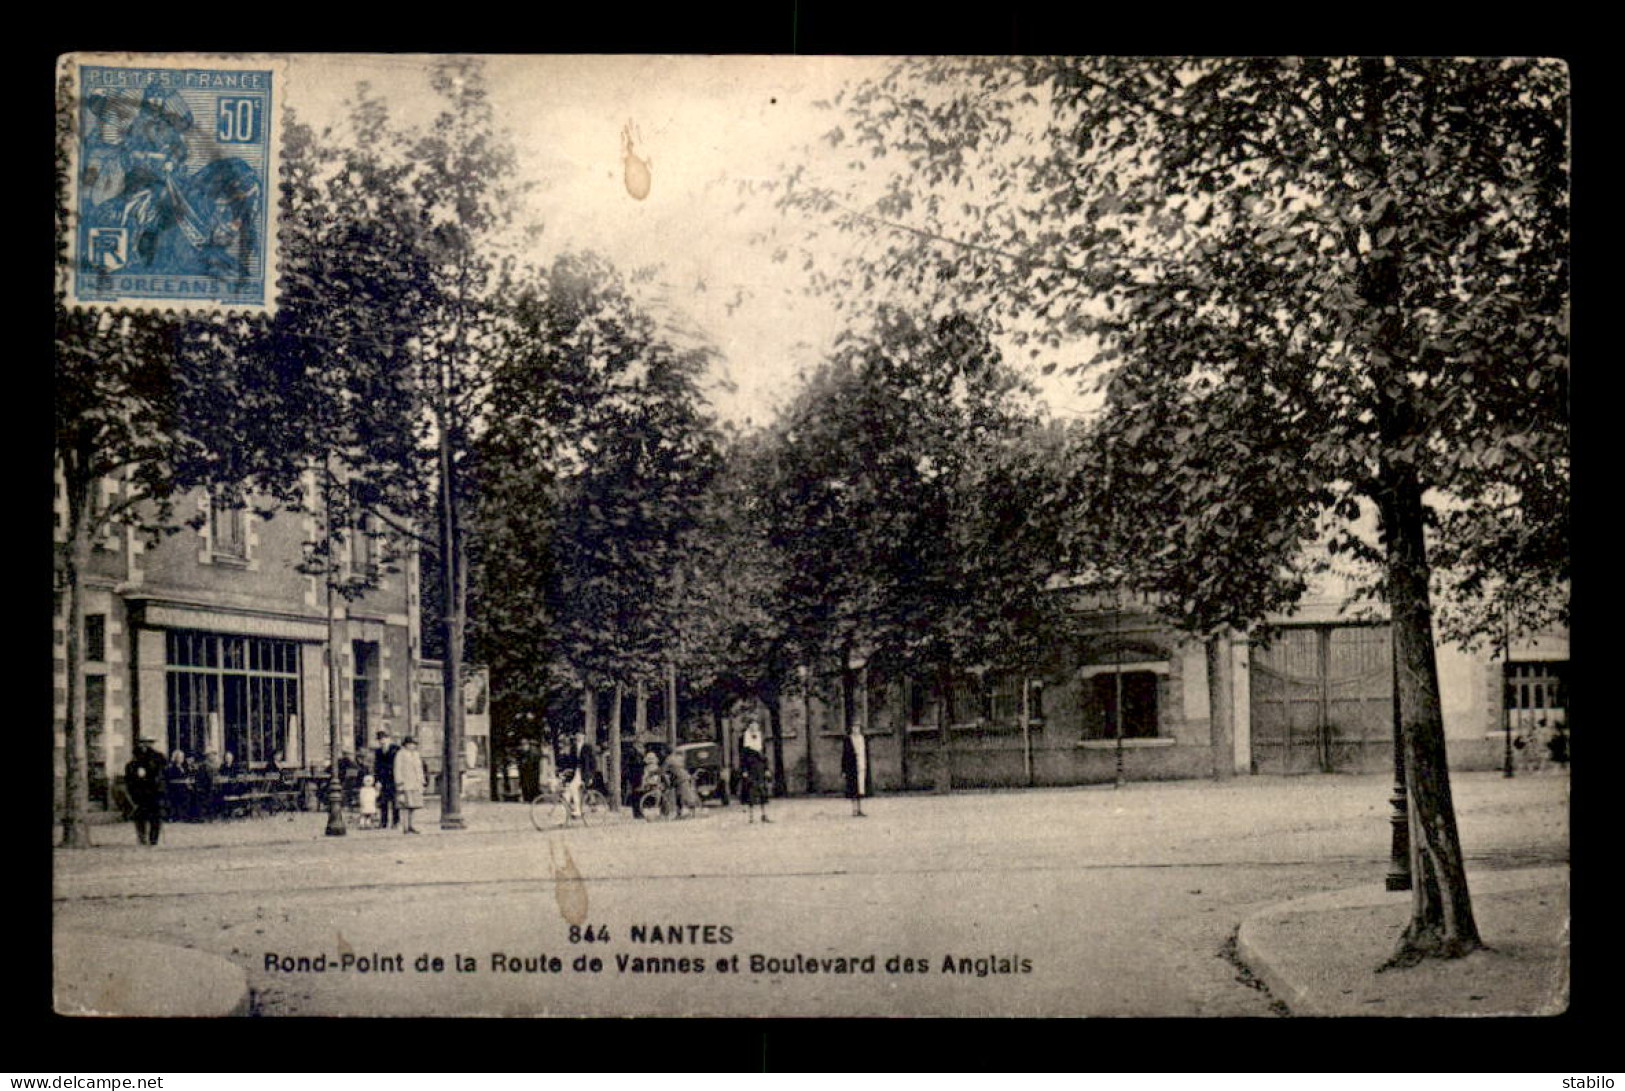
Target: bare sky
[{"x": 705, "y": 126}]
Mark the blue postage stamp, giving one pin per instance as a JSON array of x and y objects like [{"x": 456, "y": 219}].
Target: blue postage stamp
[{"x": 175, "y": 182}]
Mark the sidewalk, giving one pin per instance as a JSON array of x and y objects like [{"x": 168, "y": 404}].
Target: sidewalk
[
  {"x": 479, "y": 816},
  {"x": 98, "y": 975},
  {"x": 1318, "y": 955}
]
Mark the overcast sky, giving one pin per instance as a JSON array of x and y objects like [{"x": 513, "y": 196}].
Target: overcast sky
[{"x": 705, "y": 126}]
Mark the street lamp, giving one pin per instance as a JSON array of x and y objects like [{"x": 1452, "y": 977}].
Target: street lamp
[
  {"x": 335, "y": 785},
  {"x": 1117, "y": 674},
  {"x": 1399, "y": 857},
  {"x": 1506, "y": 696}
]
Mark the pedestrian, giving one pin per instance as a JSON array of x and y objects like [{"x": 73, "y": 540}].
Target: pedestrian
[
  {"x": 651, "y": 767},
  {"x": 648, "y": 778},
  {"x": 568, "y": 768},
  {"x": 632, "y": 778},
  {"x": 855, "y": 770},
  {"x": 206, "y": 787},
  {"x": 369, "y": 803},
  {"x": 410, "y": 780},
  {"x": 144, "y": 780},
  {"x": 753, "y": 767},
  {"x": 530, "y": 770},
  {"x": 680, "y": 784},
  {"x": 389, "y": 814},
  {"x": 591, "y": 773},
  {"x": 178, "y": 787},
  {"x": 1558, "y": 744}
]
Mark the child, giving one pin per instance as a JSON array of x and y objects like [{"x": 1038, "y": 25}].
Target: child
[{"x": 369, "y": 804}]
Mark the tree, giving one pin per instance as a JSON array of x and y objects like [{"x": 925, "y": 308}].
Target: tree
[
  {"x": 909, "y": 505},
  {"x": 589, "y": 484},
  {"x": 445, "y": 206},
  {"x": 1353, "y": 273},
  {"x": 345, "y": 398}
]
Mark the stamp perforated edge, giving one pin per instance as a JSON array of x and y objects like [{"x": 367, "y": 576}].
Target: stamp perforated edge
[{"x": 68, "y": 65}]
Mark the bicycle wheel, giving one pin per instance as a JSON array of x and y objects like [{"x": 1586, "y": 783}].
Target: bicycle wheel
[
  {"x": 593, "y": 801},
  {"x": 547, "y": 812},
  {"x": 649, "y": 804}
]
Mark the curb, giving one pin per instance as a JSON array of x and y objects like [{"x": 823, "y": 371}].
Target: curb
[
  {"x": 1253, "y": 951},
  {"x": 1251, "y": 954}
]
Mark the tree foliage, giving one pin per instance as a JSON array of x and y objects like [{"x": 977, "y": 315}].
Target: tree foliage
[
  {"x": 591, "y": 477},
  {"x": 907, "y": 501},
  {"x": 1215, "y": 234},
  {"x": 1304, "y": 283}
]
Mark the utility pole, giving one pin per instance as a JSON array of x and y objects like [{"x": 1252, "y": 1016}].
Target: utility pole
[
  {"x": 1027, "y": 728},
  {"x": 671, "y": 705},
  {"x": 1117, "y": 680},
  {"x": 451, "y": 667},
  {"x": 1506, "y": 687}
]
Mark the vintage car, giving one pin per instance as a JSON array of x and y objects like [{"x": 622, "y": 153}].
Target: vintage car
[{"x": 704, "y": 763}]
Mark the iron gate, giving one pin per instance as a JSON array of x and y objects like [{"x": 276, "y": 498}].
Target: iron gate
[{"x": 1322, "y": 700}]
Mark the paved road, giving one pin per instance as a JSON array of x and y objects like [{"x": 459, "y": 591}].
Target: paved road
[{"x": 1062, "y": 902}]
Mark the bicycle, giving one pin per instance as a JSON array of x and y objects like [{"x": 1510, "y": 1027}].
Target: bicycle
[
  {"x": 660, "y": 800},
  {"x": 550, "y": 810}
]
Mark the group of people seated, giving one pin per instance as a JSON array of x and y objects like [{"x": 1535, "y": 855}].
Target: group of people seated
[{"x": 199, "y": 789}]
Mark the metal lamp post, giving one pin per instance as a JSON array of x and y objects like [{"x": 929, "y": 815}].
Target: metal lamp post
[
  {"x": 335, "y": 782},
  {"x": 1506, "y": 701},
  {"x": 1399, "y": 859},
  {"x": 1117, "y": 677}
]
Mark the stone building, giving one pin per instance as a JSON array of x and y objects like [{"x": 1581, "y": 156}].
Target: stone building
[
  {"x": 211, "y": 639},
  {"x": 1315, "y": 697}
]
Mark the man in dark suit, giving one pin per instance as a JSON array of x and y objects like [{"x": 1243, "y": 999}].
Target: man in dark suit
[
  {"x": 144, "y": 781},
  {"x": 389, "y": 814}
]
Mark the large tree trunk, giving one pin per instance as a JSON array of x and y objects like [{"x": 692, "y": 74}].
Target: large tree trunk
[
  {"x": 775, "y": 721},
  {"x": 671, "y": 705},
  {"x": 807, "y": 677},
  {"x": 75, "y": 760},
  {"x": 1221, "y": 705},
  {"x": 1442, "y": 924},
  {"x": 615, "y": 773}
]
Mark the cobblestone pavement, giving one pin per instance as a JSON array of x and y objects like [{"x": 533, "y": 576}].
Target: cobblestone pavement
[{"x": 1048, "y": 902}]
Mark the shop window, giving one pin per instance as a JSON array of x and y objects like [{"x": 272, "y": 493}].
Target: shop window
[
  {"x": 96, "y": 736},
  {"x": 1004, "y": 699},
  {"x": 95, "y": 638},
  {"x": 363, "y": 535},
  {"x": 1536, "y": 693},
  {"x": 1139, "y": 705},
  {"x": 234, "y": 694},
  {"x": 431, "y": 707},
  {"x": 365, "y": 691},
  {"x": 228, "y": 528},
  {"x": 922, "y": 705}
]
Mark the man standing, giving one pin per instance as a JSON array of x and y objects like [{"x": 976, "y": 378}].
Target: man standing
[
  {"x": 389, "y": 812},
  {"x": 855, "y": 769},
  {"x": 753, "y": 765},
  {"x": 144, "y": 781}
]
